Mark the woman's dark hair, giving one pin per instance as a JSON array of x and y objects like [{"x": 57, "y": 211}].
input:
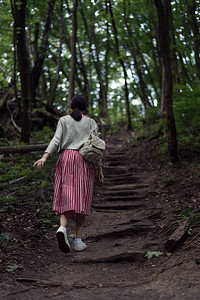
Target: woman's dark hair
[{"x": 78, "y": 104}]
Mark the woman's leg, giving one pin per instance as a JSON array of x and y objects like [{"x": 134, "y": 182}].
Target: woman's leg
[
  {"x": 64, "y": 219},
  {"x": 61, "y": 233},
  {"x": 79, "y": 245},
  {"x": 79, "y": 225}
]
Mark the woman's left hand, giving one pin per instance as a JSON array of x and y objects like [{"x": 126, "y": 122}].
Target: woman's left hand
[{"x": 100, "y": 178}]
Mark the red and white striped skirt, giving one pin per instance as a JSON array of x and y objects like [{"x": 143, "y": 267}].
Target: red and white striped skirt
[{"x": 73, "y": 187}]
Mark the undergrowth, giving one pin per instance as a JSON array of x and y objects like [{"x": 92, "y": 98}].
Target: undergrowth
[{"x": 25, "y": 190}]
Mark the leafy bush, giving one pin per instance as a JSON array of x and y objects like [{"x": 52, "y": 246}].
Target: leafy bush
[
  {"x": 187, "y": 108},
  {"x": 16, "y": 166},
  {"x": 192, "y": 215},
  {"x": 163, "y": 149},
  {"x": 42, "y": 136}
]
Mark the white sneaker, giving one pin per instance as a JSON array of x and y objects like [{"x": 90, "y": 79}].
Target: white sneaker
[
  {"x": 79, "y": 246},
  {"x": 63, "y": 242}
]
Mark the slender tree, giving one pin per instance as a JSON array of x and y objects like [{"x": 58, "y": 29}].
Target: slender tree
[
  {"x": 105, "y": 105},
  {"x": 37, "y": 69},
  {"x": 55, "y": 84},
  {"x": 73, "y": 53},
  {"x": 163, "y": 8},
  {"x": 94, "y": 52},
  {"x": 19, "y": 15},
  {"x": 122, "y": 65},
  {"x": 191, "y": 7},
  {"x": 174, "y": 59},
  {"x": 137, "y": 56}
]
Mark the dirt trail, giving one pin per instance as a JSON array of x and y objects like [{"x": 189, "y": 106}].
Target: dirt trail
[{"x": 127, "y": 220}]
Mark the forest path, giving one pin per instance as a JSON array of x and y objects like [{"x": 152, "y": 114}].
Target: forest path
[
  {"x": 121, "y": 217},
  {"x": 126, "y": 221}
]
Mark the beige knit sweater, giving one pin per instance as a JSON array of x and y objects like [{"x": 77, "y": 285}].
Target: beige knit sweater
[{"x": 71, "y": 134}]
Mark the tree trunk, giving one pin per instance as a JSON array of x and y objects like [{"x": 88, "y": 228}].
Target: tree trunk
[
  {"x": 84, "y": 72},
  {"x": 122, "y": 65},
  {"x": 184, "y": 74},
  {"x": 90, "y": 102},
  {"x": 55, "y": 84},
  {"x": 105, "y": 106},
  {"x": 73, "y": 54},
  {"x": 195, "y": 29},
  {"x": 37, "y": 69},
  {"x": 97, "y": 63},
  {"x": 134, "y": 48},
  {"x": 15, "y": 64},
  {"x": 36, "y": 36},
  {"x": 162, "y": 104},
  {"x": 175, "y": 70},
  {"x": 29, "y": 47},
  {"x": 43, "y": 86},
  {"x": 164, "y": 43},
  {"x": 19, "y": 14}
]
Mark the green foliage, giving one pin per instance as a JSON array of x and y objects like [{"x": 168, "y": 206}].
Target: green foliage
[
  {"x": 99, "y": 65},
  {"x": 3, "y": 81},
  {"x": 191, "y": 214},
  {"x": 187, "y": 213},
  {"x": 163, "y": 148},
  {"x": 43, "y": 135},
  {"x": 45, "y": 223},
  {"x": 190, "y": 232},
  {"x": 4, "y": 237},
  {"x": 19, "y": 166},
  {"x": 151, "y": 254},
  {"x": 168, "y": 180},
  {"x": 151, "y": 115},
  {"x": 11, "y": 268},
  {"x": 189, "y": 140},
  {"x": 187, "y": 108},
  {"x": 6, "y": 37},
  {"x": 4, "y": 142},
  {"x": 31, "y": 193},
  {"x": 7, "y": 198}
]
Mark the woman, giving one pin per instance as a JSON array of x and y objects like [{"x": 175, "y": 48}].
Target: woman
[{"x": 74, "y": 176}]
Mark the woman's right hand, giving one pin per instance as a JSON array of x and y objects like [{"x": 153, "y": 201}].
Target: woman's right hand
[{"x": 40, "y": 162}]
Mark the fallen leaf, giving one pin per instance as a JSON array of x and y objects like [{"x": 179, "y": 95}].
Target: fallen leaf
[{"x": 11, "y": 268}]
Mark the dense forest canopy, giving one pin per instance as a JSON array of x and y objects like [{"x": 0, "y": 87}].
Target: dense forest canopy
[{"x": 131, "y": 59}]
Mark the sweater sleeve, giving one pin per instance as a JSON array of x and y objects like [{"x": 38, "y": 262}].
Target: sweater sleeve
[
  {"x": 95, "y": 132},
  {"x": 94, "y": 127},
  {"x": 56, "y": 140}
]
